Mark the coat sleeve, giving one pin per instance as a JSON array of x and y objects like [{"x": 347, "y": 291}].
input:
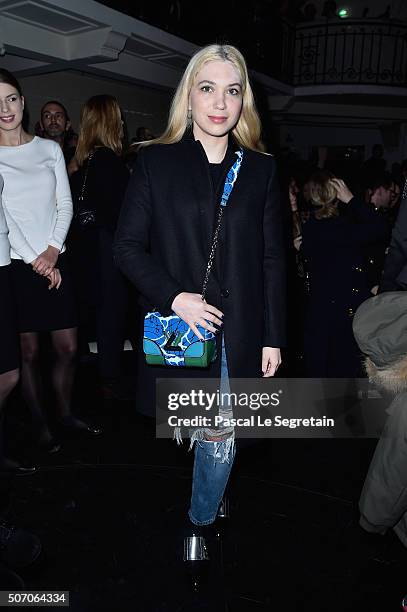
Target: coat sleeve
[
  {"x": 132, "y": 243},
  {"x": 274, "y": 267},
  {"x": 395, "y": 265}
]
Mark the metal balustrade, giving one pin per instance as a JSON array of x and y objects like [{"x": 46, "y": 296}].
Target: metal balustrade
[{"x": 367, "y": 52}]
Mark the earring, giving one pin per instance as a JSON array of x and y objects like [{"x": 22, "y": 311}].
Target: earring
[{"x": 189, "y": 115}]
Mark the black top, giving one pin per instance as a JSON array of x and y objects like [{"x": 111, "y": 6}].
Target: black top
[{"x": 216, "y": 173}]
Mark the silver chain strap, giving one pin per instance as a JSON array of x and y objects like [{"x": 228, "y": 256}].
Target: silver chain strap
[
  {"x": 85, "y": 178},
  {"x": 225, "y": 197},
  {"x": 403, "y": 197},
  {"x": 212, "y": 253}
]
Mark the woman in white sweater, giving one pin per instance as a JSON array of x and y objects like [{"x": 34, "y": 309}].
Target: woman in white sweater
[
  {"x": 38, "y": 209},
  {"x": 9, "y": 349},
  {"x": 9, "y": 352}
]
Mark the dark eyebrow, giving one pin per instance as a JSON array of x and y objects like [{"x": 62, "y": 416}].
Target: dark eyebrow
[{"x": 213, "y": 83}]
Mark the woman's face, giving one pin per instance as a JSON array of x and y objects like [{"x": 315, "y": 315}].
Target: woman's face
[
  {"x": 11, "y": 107},
  {"x": 216, "y": 99}
]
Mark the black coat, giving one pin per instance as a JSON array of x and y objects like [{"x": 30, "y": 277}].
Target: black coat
[
  {"x": 395, "y": 265},
  {"x": 90, "y": 250},
  {"x": 334, "y": 249},
  {"x": 163, "y": 242}
]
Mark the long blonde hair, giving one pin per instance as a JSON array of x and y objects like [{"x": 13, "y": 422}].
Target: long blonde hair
[
  {"x": 324, "y": 194},
  {"x": 100, "y": 126},
  {"x": 247, "y": 131}
]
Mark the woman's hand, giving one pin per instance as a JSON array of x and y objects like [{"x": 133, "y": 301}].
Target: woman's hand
[
  {"x": 271, "y": 359},
  {"x": 192, "y": 309},
  {"x": 45, "y": 262},
  {"x": 55, "y": 279},
  {"x": 298, "y": 242},
  {"x": 343, "y": 193}
]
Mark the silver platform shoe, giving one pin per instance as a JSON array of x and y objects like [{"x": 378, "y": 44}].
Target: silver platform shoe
[{"x": 195, "y": 549}]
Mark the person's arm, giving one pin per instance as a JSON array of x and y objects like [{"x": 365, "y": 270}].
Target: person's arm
[
  {"x": 368, "y": 224},
  {"x": 131, "y": 246},
  {"x": 395, "y": 265},
  {"x": 63, "y": 201},
  {"x": 274, "y": 267},
  {"x": 46, "y": 261},
  {"x": 17, "y": 239}
]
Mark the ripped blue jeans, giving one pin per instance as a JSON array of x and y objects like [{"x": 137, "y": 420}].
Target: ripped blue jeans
[{"x": 212, "y": 466}]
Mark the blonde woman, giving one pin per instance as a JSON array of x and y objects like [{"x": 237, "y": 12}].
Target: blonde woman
[
  {"x": 98, "y": 189},
  {"x": 332, "y": 244},
  {"x": 165, "y": 233}
]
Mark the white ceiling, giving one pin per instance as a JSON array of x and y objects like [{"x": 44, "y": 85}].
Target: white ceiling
[{"x": 45, "y": 36}]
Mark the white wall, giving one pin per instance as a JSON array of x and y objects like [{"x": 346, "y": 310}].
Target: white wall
[{"x": 142, "y": 106}]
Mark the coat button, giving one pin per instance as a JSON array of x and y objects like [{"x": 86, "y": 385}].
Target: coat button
[{"x": 224, "y": 293}]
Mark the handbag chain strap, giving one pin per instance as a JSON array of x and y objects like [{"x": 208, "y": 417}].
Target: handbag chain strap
[
  {"x": 227, "y": 190},
  {"x": 85, "y": 178},
  {"x": 403, "y": 197}
]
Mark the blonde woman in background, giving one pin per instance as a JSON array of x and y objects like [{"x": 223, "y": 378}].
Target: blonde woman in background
[
  {"x": 101, "y": 181},
  {"x": 332, "y": 244}
]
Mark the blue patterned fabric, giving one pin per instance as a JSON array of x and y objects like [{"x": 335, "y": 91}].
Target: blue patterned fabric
[{"x": 163, "y": 334}]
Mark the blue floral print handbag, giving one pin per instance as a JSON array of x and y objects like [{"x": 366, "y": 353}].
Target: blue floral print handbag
[{"x": 169, "y": 341}]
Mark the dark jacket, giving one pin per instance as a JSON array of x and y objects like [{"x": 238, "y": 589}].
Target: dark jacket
[
  {"x": 90, "y": 250},
  {"x": 395, "y": 265},
  {"x": 338, "y": 284},
  {"x": 164, "y": 237},
  {"x": 106, "y": 182},
  {"x": 335, "y": 250}
]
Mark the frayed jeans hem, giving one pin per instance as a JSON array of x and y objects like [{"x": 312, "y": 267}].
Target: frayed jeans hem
[{"x": 201, "y": 523}]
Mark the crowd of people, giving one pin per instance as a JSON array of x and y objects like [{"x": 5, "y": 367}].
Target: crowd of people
[
  {"x": 339, "y": 232},
  {"x": 84, "y": 224},
  {"x": 69, "y": 246}
]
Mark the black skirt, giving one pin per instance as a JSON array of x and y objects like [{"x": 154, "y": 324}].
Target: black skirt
[
  {"x": 37, "y": 307},
  {"x": 9, "y": 342}
]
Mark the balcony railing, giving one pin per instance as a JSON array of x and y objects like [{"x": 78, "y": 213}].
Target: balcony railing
[{"x": 348, "y": 52}]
